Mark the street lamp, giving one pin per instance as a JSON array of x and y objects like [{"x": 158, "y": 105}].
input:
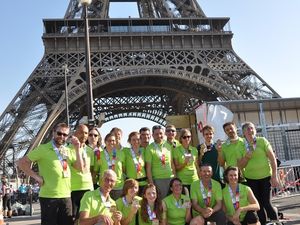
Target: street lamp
[
  {"x": 91, "y": 120},
  {"x": 66, "y": 71}
]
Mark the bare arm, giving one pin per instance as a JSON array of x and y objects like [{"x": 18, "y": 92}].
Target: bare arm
[
  {"x": 242, "y": 162},
  {"x": 178, "y": 166},
  {"x": 272, "y": 159},
  {"x": 196, "y": 206},
  {"x": 85, "y": 220},
  {"x": 149, "y": 172},
  {"x": 25, "y": 165},
  {"x": 165, "y": 211},
  {"x": 79, "y": 163}
]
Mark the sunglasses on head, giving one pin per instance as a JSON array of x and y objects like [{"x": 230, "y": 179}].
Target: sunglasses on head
[
  {"x": 95, "y": 135},
  {"x": 185, "y": 137},
  {"x": 58, "y": 133}
]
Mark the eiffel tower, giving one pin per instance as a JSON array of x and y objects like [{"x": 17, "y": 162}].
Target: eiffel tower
[{"x": 165, "y": 62}]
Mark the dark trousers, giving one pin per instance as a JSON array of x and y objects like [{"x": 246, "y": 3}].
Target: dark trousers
[
  {"x": 262, "y": 191},
  {"x": 56, "y": 211},
  {"x": 218, "y": 217},
  {"x": 76, "y": 196},
  {"x": 250, "y": 217},
  {"x": 6, "y": 202}
]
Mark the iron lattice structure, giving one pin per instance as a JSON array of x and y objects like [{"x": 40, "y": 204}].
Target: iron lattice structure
[{"x": 164, "y": 63}]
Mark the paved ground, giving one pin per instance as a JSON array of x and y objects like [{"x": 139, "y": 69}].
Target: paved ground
[{"x": 290, "y": 206}]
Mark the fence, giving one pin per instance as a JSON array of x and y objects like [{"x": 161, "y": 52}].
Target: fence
[{"x": 289, "y": 181}]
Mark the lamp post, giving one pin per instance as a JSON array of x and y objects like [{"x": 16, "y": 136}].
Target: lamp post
[
  {"x": 91, "y": 120},
  {"x": 66, "y": 71}
]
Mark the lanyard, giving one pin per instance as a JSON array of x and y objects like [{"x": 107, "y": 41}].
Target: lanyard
[
  {"x": 97, "y": 153},
  {"x": 106, "y": 203},
  {"x": 248, "y": 145},
  {"x": 61, "y": 158},
  {"x": 179, "y": 203},
  {"x": 111, "y": 163},
  {"x": 235, "y": 199},
  {"x": 151, "y": 214},
  {"x": 206, "y": 198},
  {"x": 161, "y": 153},
  {"x": 137, "y": 160}
]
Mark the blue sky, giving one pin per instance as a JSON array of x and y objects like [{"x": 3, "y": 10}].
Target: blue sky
[{"x": 266, "y": 37}]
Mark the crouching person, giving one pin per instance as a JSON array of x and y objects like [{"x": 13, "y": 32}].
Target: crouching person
[
  {"x": 206, "y": 195},
  {"x": 97, "y": 207}
]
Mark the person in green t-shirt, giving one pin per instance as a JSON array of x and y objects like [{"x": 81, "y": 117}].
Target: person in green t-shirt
[
  {"x": 159, "y": 163},
  {"x": 151, "y": 211},
  {"x": 54, "y": 160},
  {"x": 129, "y": 202},
  {"x": 145, "y": 136},
  {"x": 240, "y": 204},
  {"x": 185, "y": 158},
  {"x": 97, "y": 206},
  {"x": 260, "y": 170},
  {"x": 135, "y": 160},
  {"x": 118, "y": 133},
  {"x": 206, "y": 195},
  {"x": 176, "y": 206},
  {"x": 95, "y": 142},
  {"x": 231, "y": 151},
  {"x": 81, "y": 179},
  {"x": 111, "y": 158},
  {"x": 171, "y": 136}
]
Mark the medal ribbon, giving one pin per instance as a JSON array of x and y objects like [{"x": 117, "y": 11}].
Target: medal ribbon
[
  {"x": 61, "y": 158},
  {"x": 151, "y": 214},
  {"x": 97, "y": 153},
  {"x": 106, "y": 203},
  {"x": 206, "y": 198},
  {"x": 235, "y": 199},
  {"x": 248, "y": 145},
  {"x": 111, "y": 163},
  {"x": 137, "y": 160},
  {"x": 161, "y": 154}
]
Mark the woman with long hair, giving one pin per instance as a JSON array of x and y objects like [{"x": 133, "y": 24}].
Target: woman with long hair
[
  {"x": 151, "y": 211},
  {"x": 135, "y": 161},
  {"x": 128, "y": 203},
  {"x": 239, "y": 202},
  {"x": 176, "y": 206}
]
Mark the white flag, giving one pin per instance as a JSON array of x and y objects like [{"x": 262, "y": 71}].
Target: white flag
[{"x": 217, "y": 115}]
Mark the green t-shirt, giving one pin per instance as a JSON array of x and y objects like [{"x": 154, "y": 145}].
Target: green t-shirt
[
  {"x": 141, "y": 221},
  {"x": 107, "y": 161},
  {"x": 83, "y": 180},
  {"x": 176, "y": 212},
  {"x": 92, "y": 202},
  {"x": 258, "y": 167},
  {"x": 125, "y": 208},
  {"x": 189, "y": 173},
  {"x": 131, "y": 163},
  {"x": 196, "y": 194},
  {"x": 232, "y": 152},
  {"x": 243, "y": 192},
  {"x": 50, "y": 168},
  {"x": 175, "y": 144},
  {"x": 153, "y": 155}
]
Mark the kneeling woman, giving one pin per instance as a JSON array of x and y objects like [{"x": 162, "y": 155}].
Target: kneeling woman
[
  {"x": 151, "y": 211},
  {"x": 176, "y": 206},
  {"x": 240, "y": 204}
]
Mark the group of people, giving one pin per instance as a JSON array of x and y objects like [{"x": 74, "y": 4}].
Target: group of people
[{"x": 84, "y": 181}]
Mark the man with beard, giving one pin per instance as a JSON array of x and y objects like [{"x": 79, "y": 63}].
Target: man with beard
[
  {"x": 145, "y": 136},
  {"x": 231, "y": 151},
  {"x": 54, "y": 161},
  {"x": 81, "y": 179}
]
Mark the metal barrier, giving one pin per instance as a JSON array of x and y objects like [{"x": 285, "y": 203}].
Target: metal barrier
[{"x": 289, "y": 181}]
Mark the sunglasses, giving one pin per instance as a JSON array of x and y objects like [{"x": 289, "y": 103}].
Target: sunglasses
[
  {"x": 185, "y": 137},
  {"x": 93, "y": 135},
  {"x": 171, "y": 130},
  {"x": 58, "y": 133}
]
